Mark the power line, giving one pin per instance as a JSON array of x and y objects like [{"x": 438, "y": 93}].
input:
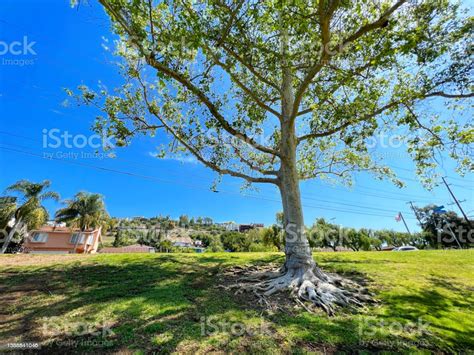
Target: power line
[
  {"x": 463, "y": 187},
  {"x": 427, "y": 199},
  {"x": 304, "y": 198},
  {"x": 411, "y": 170},
  {"x": 391, "y": 192},
  {"x": 114, "y": 158},
  {"x": 378, "y": 195},
  {"x": 152, "y": 178},
  {"x": 351, "y": 205}
]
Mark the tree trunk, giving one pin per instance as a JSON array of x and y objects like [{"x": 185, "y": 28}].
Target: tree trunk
[
  {"x": 12, "y": 232},
  {"x": 298, "y": 253},
  {"x": 297, "y": 250},
  {"x": 300, "y": 273}
]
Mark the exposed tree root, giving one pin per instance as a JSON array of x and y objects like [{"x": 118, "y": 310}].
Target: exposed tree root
[{"x": 310, "y": 286}]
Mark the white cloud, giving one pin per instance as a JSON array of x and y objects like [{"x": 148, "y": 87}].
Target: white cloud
[
  {"x": 185, "y": 159},
  {"x": 57, "y": 112}
]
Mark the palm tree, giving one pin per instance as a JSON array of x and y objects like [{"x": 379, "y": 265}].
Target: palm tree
[
  {"x": 30, "y": 213},
  {"x": 84, "y": 211},
  {"x": 7, "y": 210}
]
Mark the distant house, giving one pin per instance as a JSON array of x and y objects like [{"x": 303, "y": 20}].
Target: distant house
[
  {"x": 62, "y": 240},
  {"x": 198, "y": 243},
  {"x": 246, "y": 227},
  {"x": 183, "y": 242},
  {"x": 230, "y": 226},
  {"x": 186, "y": 242},
  {"x": 136, "y": 248}
]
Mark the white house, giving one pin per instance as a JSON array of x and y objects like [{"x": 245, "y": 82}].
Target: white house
[{"x": 230, "y": 226}]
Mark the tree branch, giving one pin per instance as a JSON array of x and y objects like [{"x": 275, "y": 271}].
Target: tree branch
[
  {"x": 415, "y": 117},
  {"x": 194, "y": 151},
  {"x": 326, "y": 55},
  {"x": 220, "y": 44},
  {"x": 228, "y": 27},
  {"x": 180, "y": 78},
  {"x": 450, "y": 96},
  {"x": 248, "y": 91},
  {"x": 372, "y": 26},
  {"x": 356, "y": 71},
  {"x": 381, "y": 110},
  {"x": 324, "y": 21},
  {"x": 348, "y": 123},
  {"x": 250, "y": 68},
  {"x": 250, "y": 164}
]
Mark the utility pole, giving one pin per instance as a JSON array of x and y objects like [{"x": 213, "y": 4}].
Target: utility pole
[
  {"x": 416, "y": 213},
  {"x": 405, "y": 223},
  {"x": 454, "y": 235},
  {"x": 457, "y": 202}
]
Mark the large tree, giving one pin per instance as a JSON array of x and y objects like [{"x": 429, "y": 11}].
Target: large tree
[
  {"x": 444, "y": 229},
  {"x": 281, "y": 91}
]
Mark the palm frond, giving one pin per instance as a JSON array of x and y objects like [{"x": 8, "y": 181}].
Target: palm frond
[
  {"x": 50, "y": 195},
  {"x": 85, "y": 211}
]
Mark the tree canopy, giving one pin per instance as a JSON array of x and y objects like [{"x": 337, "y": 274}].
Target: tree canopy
[{"x": 356, "y": 69}]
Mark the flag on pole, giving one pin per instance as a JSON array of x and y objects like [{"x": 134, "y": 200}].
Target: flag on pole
[
  {"x": 398, "y": 217},
  {"x": 439, "y": 210}
]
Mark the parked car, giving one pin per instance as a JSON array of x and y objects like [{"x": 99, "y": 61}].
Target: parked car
[{"x": 406, "y": 248}]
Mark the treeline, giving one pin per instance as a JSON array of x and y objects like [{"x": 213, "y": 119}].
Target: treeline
[
  {"x": 446, "y": 230},
  {"x": 439, "y": 230},
  {"x": 322, "y": 235}
]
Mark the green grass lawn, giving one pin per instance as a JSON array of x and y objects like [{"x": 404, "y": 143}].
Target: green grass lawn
[{"x": 171, "y": 303}]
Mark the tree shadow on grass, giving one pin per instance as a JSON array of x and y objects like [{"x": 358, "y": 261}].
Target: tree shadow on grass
[
  {"x": 433, "y": 305},
  {"x": 152, "y": 304},
  {"x": 162, "y": 304}
]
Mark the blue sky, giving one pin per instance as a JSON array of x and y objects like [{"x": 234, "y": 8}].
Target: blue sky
[{"x": 68, "y": 51}]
